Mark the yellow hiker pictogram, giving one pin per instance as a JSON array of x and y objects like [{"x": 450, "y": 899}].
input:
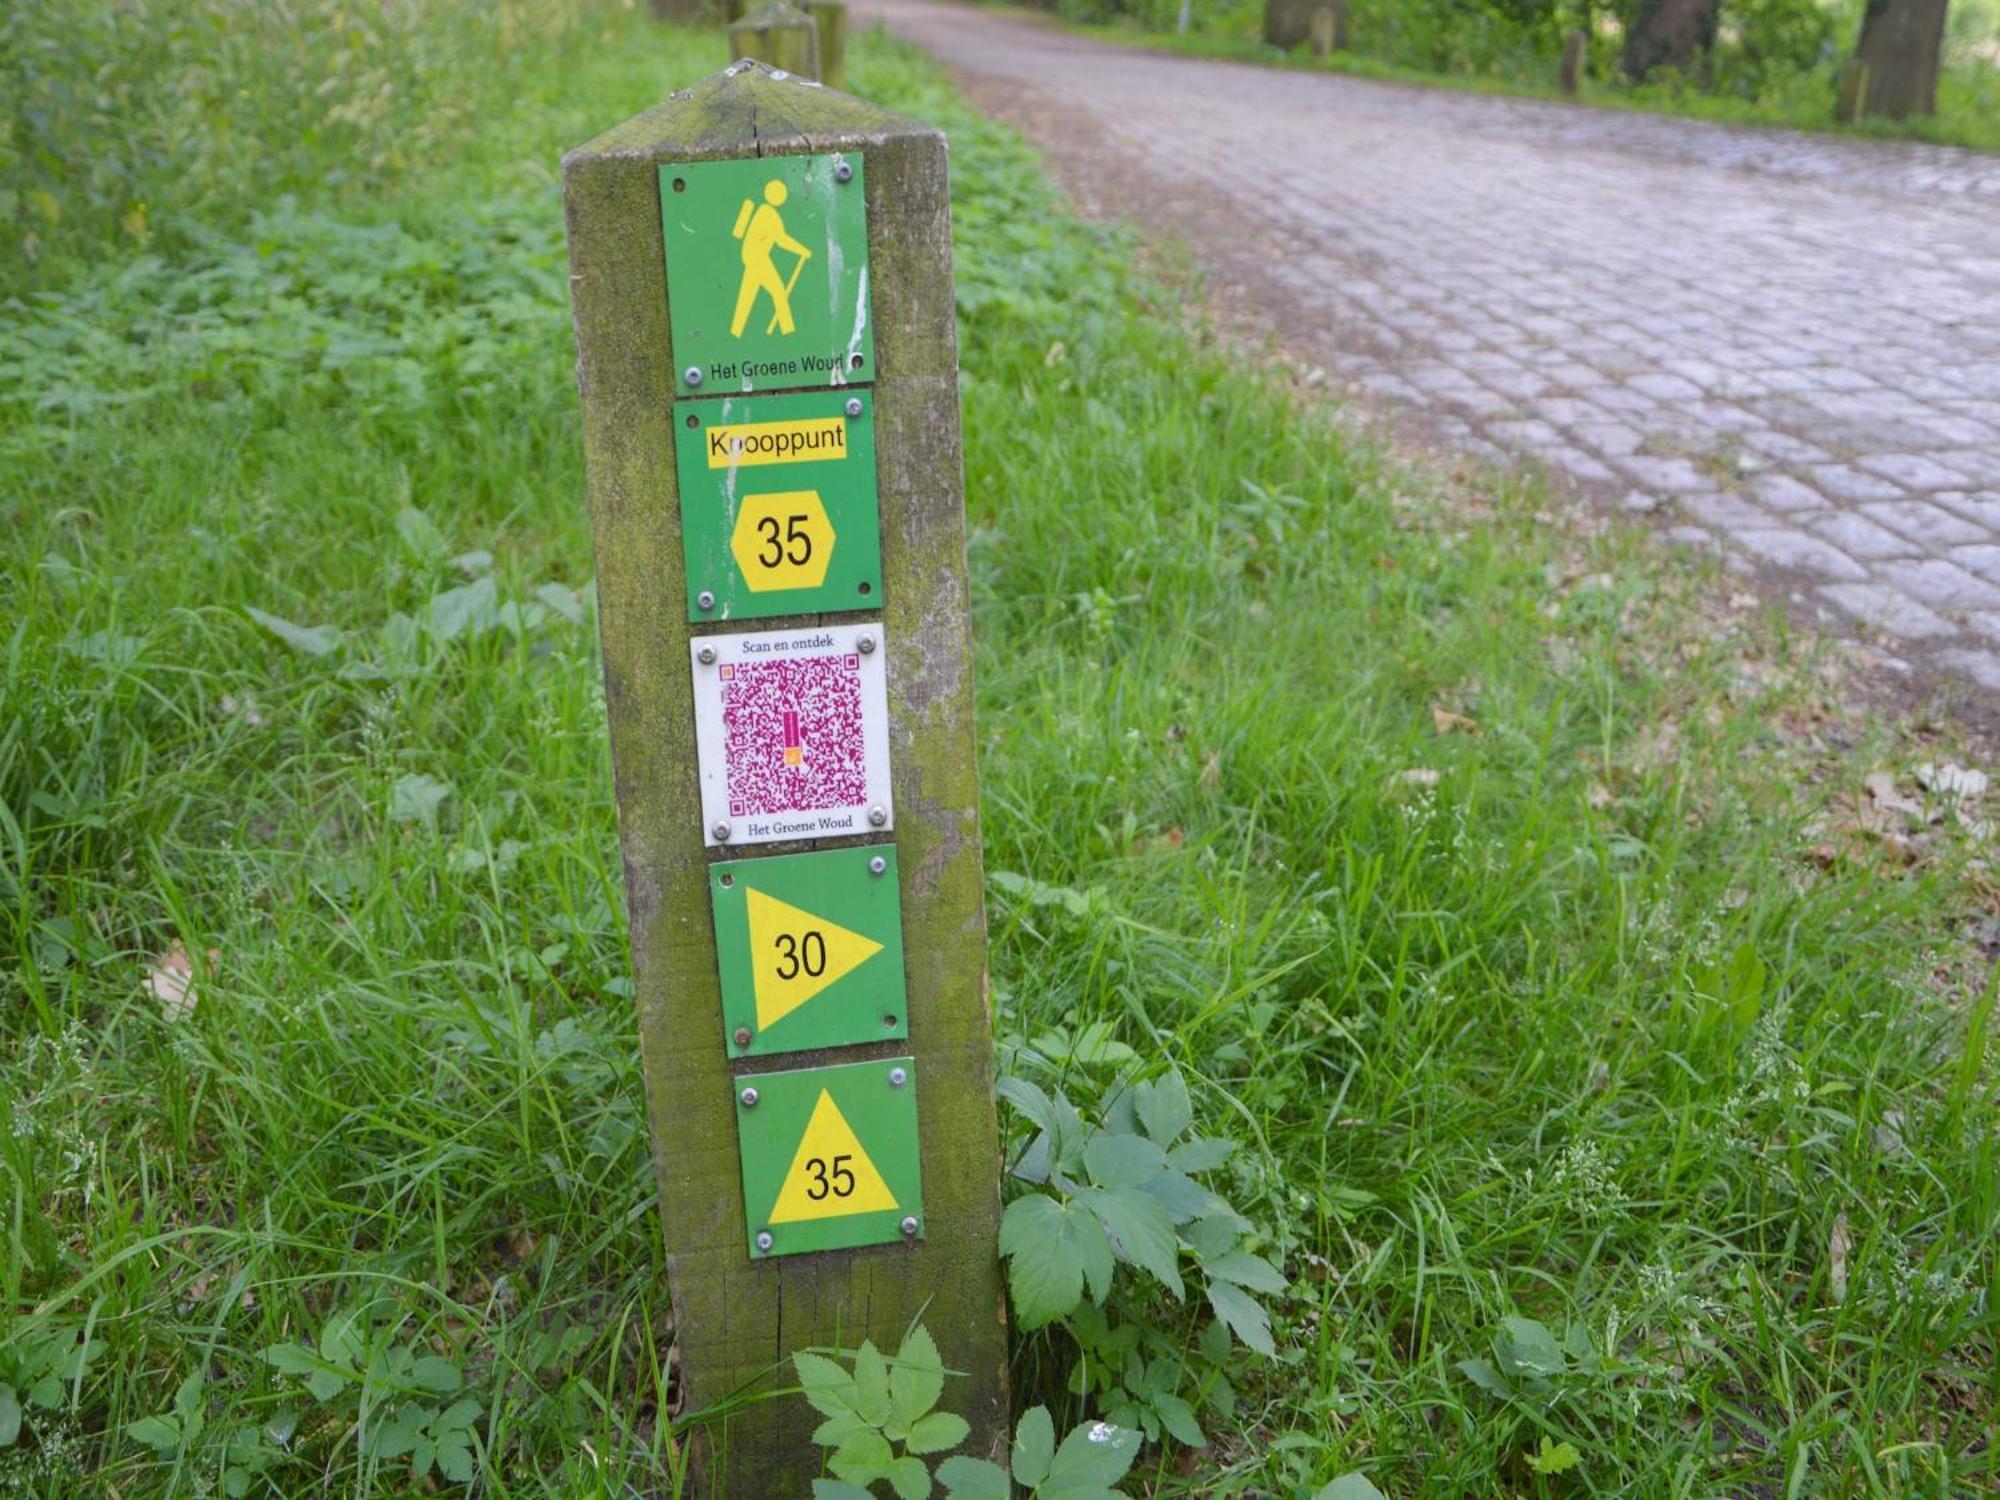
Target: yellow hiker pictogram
[
  {"x": 762, "y": 229},
  {"x": 831, "y": 1175},
  {"x": 794, "y": 955}
]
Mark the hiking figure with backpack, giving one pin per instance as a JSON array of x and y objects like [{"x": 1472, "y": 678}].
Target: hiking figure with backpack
[{"x": 762, "y": 229}]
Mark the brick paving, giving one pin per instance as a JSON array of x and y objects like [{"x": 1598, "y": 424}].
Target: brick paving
[{"x": 1784, "y": 345}]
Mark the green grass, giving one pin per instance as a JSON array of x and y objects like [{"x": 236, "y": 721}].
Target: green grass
[
  {"x": 1619, "y": 1022},
  {"x": 1968, "y": 112}
]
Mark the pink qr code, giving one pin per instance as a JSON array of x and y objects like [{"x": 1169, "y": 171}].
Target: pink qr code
[{"x": 791, "y": 735}]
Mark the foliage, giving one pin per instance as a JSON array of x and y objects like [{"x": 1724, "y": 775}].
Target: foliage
[{"x": 883, "y": 1403}]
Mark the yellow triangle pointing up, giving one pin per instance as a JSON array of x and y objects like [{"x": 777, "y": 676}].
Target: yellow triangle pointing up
[
  {"x": 794, "y": 955},
  {"x": 831, "y": 1175}
]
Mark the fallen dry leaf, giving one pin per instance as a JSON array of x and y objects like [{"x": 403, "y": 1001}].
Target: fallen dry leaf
[
  {"x": 1211, "y": 771},
  {"x": 1447, "y": 722},
  {"x": 1415, "y": 776},
  {"x": 1881, "y": 789},
  {"x": 171, "y": 980},
  {"x": 1599, "y": 796},
  {"x": 1836, "y": 1258},
  {"x": 1950, "y": 780}
]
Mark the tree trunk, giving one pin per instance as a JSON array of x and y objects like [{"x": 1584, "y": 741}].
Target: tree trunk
[
  {"x": 1669, "y": 34},
  {"x": 1895, "y": 66},
  {"x": 1288, "y": 22},
  {"x": 1572, "y": 62}
]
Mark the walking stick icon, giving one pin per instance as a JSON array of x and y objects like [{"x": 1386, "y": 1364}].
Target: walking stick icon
[{"x": 790, "y": 282}]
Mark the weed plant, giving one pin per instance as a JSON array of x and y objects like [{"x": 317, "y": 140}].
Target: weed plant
[{"x": 1608, "y": 1098}]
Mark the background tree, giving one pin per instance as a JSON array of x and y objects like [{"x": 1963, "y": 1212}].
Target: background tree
[
  {"x": 1669, "y": 34},
  {"x": 1895, "y": 66}
]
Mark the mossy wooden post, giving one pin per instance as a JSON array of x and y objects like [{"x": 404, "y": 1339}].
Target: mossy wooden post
[
  {"x": 1329, "y": 29},
  {"x": 739, "y": 1317},
  {"x": 1570, "y": 79},
  {"x": 778, "y": 34},
  {"x": 831, "y": 15}
]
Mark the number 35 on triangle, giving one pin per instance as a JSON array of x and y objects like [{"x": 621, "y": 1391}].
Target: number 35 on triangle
[{"x": 809, "y": 948}]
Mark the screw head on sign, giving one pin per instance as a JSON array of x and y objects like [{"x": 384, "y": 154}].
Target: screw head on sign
[
  {"x": 910, "y": 1227},
  {"x": 705, "y": 599},
  {"x": 749, "y": 1098},
  {"x": 866, "y": 645},
  {"x": 842, "y": 172},
  {"x": 878, "y": 865},
  {"x": 692, "y": 375},
  {"x": 854, "y": 406},
  {"x": 721, "y": 832},
  {"x": 854, "y": 361},
  {"x": 877, "y": 816},
  {"x": 743, "y": 1036},
  {"x": 764, "y": 1240},
  {"x": 706, "y": 655},
  {"x": 898, "y": 1077}
]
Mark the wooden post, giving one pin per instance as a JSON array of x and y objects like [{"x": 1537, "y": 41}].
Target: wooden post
[
  {"x": 687, "y": 12},
  {"x": 826, "y": 405},
  {"x": 1571, "y": 76},
  {"x": 831, "y": 15},
  {"x": 779, "y": 34},
  {"x": 1329, "y": 29}
]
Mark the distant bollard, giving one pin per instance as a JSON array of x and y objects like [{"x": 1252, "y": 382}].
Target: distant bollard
[
  {"x": 778, "y": 34},
  {"x": 1329, "y": 29},
  {"x": 1288, "y": 22},
  {"x": 1572, "y": 63},
  {"x": 832, "y": 18}
]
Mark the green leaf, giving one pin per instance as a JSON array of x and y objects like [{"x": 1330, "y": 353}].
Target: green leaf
[
  {"x": 1526, "y": 1347},
  {"x": 1482, "y": 1374},
  {"x": 419, "y": 534},
  {"x": 909, "y": 1478},
  {"x": 1554, "y": 1458},
  {"x": 1179, "y": 1419},
  {"x": 838, "y": 1489},
  {"x": 161, "y": 1434},
  {"x": 1028, "y": 1099},
  {"x": 974, "y": 1479},
  {"x": 1141, "y": 1230},
  {"x": 1050, "y": 1248},
  {"x": 454, "y": 1457},
  {"x": 1245, "y": 1269},
  {"x": 863, "y": 1458},
  {"x": 1200, "y": 1155},
  {"x": 472, "y": 608},
  {"x": 871, "y": 1384},
  {"x": 835, "y": 1431},
  {"x": 10, "y": 1415},
  {"x": 416, "y": 799},
  {"x": 1093, "y": 1457},
  {"x": 1181, "y": 1196},
  {"x": 1245, "y": 1317},
  {"x": 1213, "y": 1236},
  {"x": 1034, "y": 1446},
  {"x": 46, "y": 1393},
  {"x": 314, "y": 640},
  {"x": 1115, "y": 1161},
  {"x": 827, "y": 1385},
  {"x": 916, "y": 1380},
  {"x": 939, "y": 1432},
  {"x": 1354, "y": 1486},
  {"x": 1164, "y": 1109},
  {"x": 436, "y": 1374}
]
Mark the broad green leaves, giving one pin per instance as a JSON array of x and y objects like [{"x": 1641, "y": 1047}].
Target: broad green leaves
[{"x": 869, "y": 1411}]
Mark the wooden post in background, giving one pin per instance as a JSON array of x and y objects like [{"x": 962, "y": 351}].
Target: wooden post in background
[
  {"x": 831, "y": 16},
  {"x": 1571, "y": 77},
  {"x": 676, "y": 308},
  {"x": 778, "y": 34}
]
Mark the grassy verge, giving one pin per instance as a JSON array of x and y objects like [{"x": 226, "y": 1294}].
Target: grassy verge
[
  {"x": 1605, "y": 1056},
  {"x": 1968, "y": 111}
]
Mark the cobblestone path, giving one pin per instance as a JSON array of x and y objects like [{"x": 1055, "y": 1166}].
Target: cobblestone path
[{"x": 1784, "y": 344}]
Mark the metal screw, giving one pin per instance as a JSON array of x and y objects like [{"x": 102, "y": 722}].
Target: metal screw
[
  {"x": 721, "y": 832},
  {"x": 706, "y": 655},
  {"x": 854, "y": 361},
  {"x": 866, "y": 645},
  {"x": 692, "y": 375},
  {"x": 910, "y": 1228},
  {"x": 704, "y": 600},
  {"x": 749, "y": 1098},
  {"x": 877, "y": 816},
  {"x": 743, "y": 1036},
  {"x": 854, "y": 406},
  {"x": 878, "y": 865},
  {"x": 842, "y": 172},
  {"x": 764, "y": 1240},
  {"x": 898, "y": 1077}
]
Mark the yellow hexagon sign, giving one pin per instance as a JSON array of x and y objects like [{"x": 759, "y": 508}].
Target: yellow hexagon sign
[{"x": 782, "y": 541}]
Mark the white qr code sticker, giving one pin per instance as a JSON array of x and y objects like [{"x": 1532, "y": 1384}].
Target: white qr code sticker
[{"x": 792, "y": 731}]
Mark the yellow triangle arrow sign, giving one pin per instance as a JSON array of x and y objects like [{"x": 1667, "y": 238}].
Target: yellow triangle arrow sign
[
  {"x": 794, "y": 955},
  {"x": 831, "y": 1175}
]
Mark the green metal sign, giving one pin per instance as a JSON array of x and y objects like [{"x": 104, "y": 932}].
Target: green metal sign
[
  {"x": 830, "y": 1157},
  {"x": 811, "y": 950},
  {"x": 767, "y": 272},
  {"x": 778, "y": 504}
]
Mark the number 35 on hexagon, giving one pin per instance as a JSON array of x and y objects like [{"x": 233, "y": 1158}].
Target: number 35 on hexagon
[
  {"x": 778, "y": 504},
  {"x": 831, "y": 1157}
]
